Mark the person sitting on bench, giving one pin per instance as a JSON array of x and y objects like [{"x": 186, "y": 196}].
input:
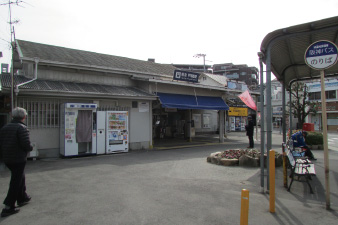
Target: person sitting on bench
[{"x": 299, "y": 141}]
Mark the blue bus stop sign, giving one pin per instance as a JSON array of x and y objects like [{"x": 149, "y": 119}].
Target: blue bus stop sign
[{"x": 321, "y": 55}]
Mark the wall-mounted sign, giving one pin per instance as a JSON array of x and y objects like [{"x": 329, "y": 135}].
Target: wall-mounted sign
[
  {"x": 235, "y": 111},
  {"x": 330, "y": 106},
  {"x": 186, "y": 76},
  {"x": 321, "y": 55},
  {"x": 143, "y": 107}
]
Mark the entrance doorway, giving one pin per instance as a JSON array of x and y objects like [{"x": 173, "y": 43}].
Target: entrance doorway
[{"x": 169, "y": 124}]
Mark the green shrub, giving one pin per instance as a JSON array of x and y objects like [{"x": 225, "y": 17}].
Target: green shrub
[{"x": 314, "y": 138}]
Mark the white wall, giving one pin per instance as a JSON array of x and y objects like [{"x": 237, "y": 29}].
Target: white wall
[
  {"x": 140, "y": 124},
  {"x": 47, "y": 141}
]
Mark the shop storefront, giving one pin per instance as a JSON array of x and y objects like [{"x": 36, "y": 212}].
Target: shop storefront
[{"x": 237, "y": 118}]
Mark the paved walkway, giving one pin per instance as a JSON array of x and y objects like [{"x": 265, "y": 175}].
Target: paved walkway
[{"x": 167, "y": 186}]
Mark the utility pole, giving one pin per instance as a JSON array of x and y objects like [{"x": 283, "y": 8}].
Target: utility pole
[
  {"x": 12, "y": 44},
  {"x": 201, "y": 55}
]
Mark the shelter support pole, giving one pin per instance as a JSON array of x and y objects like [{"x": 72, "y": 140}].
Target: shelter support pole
[
  {"x": 290, "y": 112},
  {"x": 271, "y": 158},
  {"x": 151, "y": 140},
  {"x": 326, "y": 150},
  {"x": 262, "y": 120},
  {"x": 221, "y": 126},
  {"x": 256, "y": 119},
  {"x": 190, "y": 127},
  {"x": 285, "y": 175},
  {"x": 268, "y": 110},
  {"x": 284, "y": 111}
]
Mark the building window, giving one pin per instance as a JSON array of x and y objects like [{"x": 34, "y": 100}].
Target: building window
[
  {"x": 317, "y": 95},
  {"x": 41, "y": 113},
  {"x": 134, "y": 104},
  {"x": 330, "y": 94}
]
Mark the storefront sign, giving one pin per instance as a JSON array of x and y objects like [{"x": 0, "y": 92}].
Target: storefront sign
[
  {"x": 186, "y": 76},
  {"x": 330, "y": 106},
  {"x": 234, "y": 111},
  {"x": 170, "y": 109}
]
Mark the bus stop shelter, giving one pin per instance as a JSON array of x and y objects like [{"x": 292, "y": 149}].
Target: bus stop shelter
[{"x": 282, "y": 51}]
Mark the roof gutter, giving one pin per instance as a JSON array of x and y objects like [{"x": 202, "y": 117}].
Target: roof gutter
[{"x": 36, "y": 60}]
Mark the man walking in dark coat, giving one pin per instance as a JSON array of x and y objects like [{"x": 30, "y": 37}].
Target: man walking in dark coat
[
  {"x": 250, "y": 131},
  {"x": 14, "y": 147}
]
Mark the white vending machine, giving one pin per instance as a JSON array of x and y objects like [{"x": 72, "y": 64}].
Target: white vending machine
[
  {"x": 113, "y": 133},
  {"x": 78, "y": 129}
]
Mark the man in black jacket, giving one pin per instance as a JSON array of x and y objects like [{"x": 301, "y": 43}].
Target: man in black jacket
[
  {"x": 250, "y": 131},
  {"x": 14, "y": 147}
]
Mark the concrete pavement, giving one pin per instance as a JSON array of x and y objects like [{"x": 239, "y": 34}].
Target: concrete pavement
[{"x": 173, "y": 186}]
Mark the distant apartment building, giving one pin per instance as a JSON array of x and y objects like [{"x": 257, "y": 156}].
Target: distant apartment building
[
  {"x": 240, "y": 72},
  {"x": 194, "y": 67},
  {"x": 277, "y": 106},
  {"x": 314, "y": 89}
]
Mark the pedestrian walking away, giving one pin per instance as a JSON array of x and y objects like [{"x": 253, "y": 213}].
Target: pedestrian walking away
[
  {"x": 250, "y": 131},
  {"x": 14, "y": 147}
]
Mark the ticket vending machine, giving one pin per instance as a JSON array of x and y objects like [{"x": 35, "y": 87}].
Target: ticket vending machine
[
  {"x": 78, "y": 129},
  {"x": 112, "y": 132}
]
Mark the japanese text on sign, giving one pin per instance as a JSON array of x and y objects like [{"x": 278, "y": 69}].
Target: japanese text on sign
[
  {"x": 321, "y": 55},
  {"x": 186, "y": 76}
]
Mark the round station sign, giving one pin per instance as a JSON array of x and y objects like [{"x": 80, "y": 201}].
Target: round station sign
[{"x": 321, "y": 55}]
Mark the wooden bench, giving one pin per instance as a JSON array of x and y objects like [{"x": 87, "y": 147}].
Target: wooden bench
[{"x": 301, "y": 167}]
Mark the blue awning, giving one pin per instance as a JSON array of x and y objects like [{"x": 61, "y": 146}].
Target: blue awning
[{"x": 192, "y": 102}]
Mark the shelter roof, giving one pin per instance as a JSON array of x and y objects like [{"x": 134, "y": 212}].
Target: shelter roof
[{"x": 288, "y": 46}]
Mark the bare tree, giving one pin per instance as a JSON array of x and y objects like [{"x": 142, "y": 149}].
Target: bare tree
[{"x": 300, "y": 105}]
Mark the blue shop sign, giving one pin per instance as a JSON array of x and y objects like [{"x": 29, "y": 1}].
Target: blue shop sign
[{"x": 186, "y": 76}]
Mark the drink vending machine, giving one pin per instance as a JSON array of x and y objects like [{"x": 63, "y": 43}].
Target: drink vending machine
[
  {"x": 78, "y": 129},
  {"x": 112, "y": 132}
]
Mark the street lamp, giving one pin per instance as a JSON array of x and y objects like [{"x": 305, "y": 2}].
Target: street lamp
[{"x": 201, "y": 55}]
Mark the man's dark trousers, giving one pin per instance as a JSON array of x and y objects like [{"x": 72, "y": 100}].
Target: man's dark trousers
[
  {"x": 251, "y": 141},
  {"x": 17, "y": 185}
]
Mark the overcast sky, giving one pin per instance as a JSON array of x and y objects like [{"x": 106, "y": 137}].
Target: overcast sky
[{"x": 170, "y": 31}]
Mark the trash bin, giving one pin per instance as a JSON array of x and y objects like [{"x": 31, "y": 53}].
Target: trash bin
[{"x": 308, "y": 127}]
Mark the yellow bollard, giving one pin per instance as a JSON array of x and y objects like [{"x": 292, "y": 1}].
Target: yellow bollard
[
  {"x": 272, "y": 180},
  {"x": 285, "y": 165},
  {"x": 244, "y": 207}
]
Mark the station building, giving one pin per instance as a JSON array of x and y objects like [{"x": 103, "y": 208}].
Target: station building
[{"x": 47, "y": 78}]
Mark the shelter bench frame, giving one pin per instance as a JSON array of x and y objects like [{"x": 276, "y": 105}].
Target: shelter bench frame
[{"x": 300, "y": 167}]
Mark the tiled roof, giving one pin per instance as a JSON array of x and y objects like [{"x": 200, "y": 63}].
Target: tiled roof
[
  {"x": 70, "y": 56},
  {"x": 72, "y": 88}
]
